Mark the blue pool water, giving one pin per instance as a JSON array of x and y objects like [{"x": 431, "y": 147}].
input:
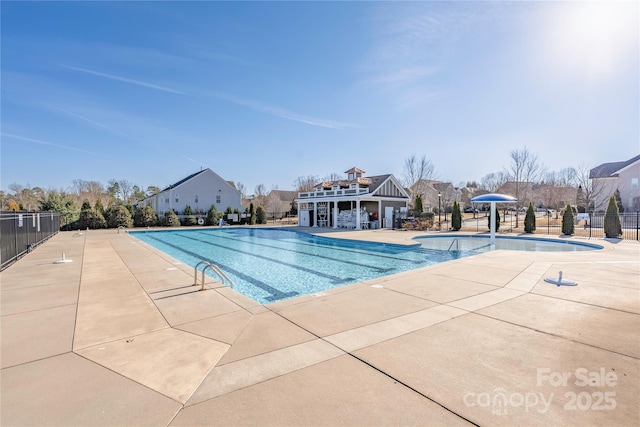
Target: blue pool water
[
  {"x": 480, "y": 243},
  {"x": 269, "y": 265}
]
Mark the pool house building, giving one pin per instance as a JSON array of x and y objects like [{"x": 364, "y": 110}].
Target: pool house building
[{"x": 356, "y": 202}]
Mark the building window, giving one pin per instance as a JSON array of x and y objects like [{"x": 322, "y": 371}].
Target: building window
[
  {"x": 177, "y": 197},
  {"x": 218, "y": 199},
  {"x": 634, "y": 183},
  {"x": 196, "y": 198},
  {"x": 166, "y": 200}
]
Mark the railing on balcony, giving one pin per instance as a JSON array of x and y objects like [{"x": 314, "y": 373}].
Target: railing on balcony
[{"x": 334, "y": 192}]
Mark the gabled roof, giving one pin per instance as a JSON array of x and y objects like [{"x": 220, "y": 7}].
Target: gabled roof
[
  {"x": 183, "y": 180},
  {"x": 609, "y": 170},
  {"x": 354, "y": 170},
  {"x": 284, "y": 195},
  {"x": 379, "y": 180}
]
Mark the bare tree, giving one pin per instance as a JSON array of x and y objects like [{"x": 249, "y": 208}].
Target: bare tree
[
  {"x": 260, "y": 192},
  {"x": 492, "y": 182},
  {"x": 126, "y": 189},
  {"x": 333, "y": 177},
  {"x": 591, "y": 190},
  {"x": 242, "y": 189},
  {"x": 524, "y": 171},
  {"x": 416, "y": 174},
  {"x": 305, "y": 183}
]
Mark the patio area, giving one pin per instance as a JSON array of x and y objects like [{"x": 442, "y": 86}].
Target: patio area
[{"x": 119, "y": 337}]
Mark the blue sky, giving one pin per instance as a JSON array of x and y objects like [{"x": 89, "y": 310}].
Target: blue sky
[{"x": 265, "y": 92}]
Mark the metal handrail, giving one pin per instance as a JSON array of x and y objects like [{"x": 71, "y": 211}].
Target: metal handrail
[
  {"x": 451, "y": 245},
  {"x": 213, "y": 268}
]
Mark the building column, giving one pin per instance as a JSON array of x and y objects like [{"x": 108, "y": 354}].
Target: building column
[
  {"x": 335, "y": 214},
  {"x": 358, "y": 227},
  {"x": 315, "y": 219}
]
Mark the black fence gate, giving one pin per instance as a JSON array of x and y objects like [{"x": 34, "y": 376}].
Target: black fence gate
[{"x": 21, "y": 232}]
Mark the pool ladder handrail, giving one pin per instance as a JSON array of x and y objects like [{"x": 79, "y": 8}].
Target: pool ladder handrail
[
  {"x": 451, "y": 245},
  {"x": 213, "y": 268}
]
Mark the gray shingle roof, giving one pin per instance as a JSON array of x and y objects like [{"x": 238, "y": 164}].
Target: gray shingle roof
[{"x": 607, "y": 170}]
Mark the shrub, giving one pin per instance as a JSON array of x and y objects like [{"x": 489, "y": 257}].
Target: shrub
[
  {"x": 119, "y": 216},
  {"x": 252, "y": 214},
  {"x": 612, "y": 226},
  {"x": 261, "y": 215},
  {"x": 190, "y": 218},
  {"x": 90, "y": 218},
  {"x": 145, "y": 217},
  {"x": 456, "y": 217},
  {"x": 213, "y": 216},
  {"x": 170, "y": 219},
  {"x": 497, "y": 220},
  {"x": 568, "y": 221},
  {"x": 418, "y": 204},
  {"x": 530, "y": 220}
]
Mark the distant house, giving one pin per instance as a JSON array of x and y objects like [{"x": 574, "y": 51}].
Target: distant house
[
  {"x": 200, "y": 191},
  {"x": 279, "y": 202},
  {"x": 621, "y": 176},
  {"x": 436, "y": 194},
  {"x": 355, "y": 202}
]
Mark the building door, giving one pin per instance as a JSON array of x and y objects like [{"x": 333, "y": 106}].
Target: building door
[
  {"x": 303, "y": 220},
  {"x": 388, "y": 217}
]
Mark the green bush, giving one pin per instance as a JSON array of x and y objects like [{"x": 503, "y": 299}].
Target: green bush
[
  {"x": 530, "y": 220},
  {"x": 456, "y": 217},
  {"x": 418, "y": 204},
  {"x": 170, "y": 219},
  {"x": 90, "y": 218},
  {"x": 497, "y": 220},
  {"x": 261, "y": 215},
  {"x": 252, "y": 214},
  {"x": 568, "y": 226},
  {"x": 612, "y": 226},
  {"x": 189, "y": 219},
  {"x": 145, "y": 217},
  {"x": 213, "y": 216},
  {"x": 120, "y": 216}
]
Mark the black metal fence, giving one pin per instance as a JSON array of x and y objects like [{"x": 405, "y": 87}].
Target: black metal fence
[
  {"x": 589, "y": 225},
  {"x": 21, "y": 232}
]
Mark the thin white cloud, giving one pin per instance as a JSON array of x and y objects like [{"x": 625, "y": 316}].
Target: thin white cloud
[
  {"x": 279, "y": 112},
  {"x": 126, "y": 80},
  {"x": 52, "y": 144},
  {"x": 93, "y": 122}
]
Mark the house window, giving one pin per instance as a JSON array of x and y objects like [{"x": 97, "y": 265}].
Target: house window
[
  {"x": 166, "y": 200},
  {"x": 218, "y": 199},
  {"x": 634, "y": 183},
  {"x": 196, "y": 198},
  {"x": 177, "y": 197}
]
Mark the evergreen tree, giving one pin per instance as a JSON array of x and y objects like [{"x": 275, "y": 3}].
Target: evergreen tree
[
  {"x": 612, "y": 226},
  {"x": 170, "y": 219},
  {"x": 99, "y": 207},
  {"x": 63, "y": 203},
  {"x": 456, "y": 217},
  {"x": 90, "y": 218},
  {"x": 261, "y": 215},
  {"x": 616, "y": 194},
  {"x": 145, "y": 217},
  {"x": 568, "y": 226},
  {"x": 530, "y": 220},
  {"x": 580, "y": 200},
  {"x": 189, "y": 219},
  {"x": 86, "y": 206},
  {"x": 418, "y": 204},
  {"x": 213, "y": 216},
  {"x": 120, "y": 216},
  {"x": 252, "y": 213},
  {"x": 497, "y": 220}
]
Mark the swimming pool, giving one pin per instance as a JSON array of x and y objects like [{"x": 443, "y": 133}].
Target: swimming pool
[
  {"x": 269, "y": 265},
  {"x": 480, "y": 243}
]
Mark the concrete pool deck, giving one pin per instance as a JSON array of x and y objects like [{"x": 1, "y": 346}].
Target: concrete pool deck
[{"x": 119, "y": 337}]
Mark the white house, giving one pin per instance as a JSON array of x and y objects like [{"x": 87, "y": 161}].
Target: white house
[
  {"x": 356, "y": 202},
  {"x": 199, "y": 190},
  {"x": 622, "y": 176}
]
